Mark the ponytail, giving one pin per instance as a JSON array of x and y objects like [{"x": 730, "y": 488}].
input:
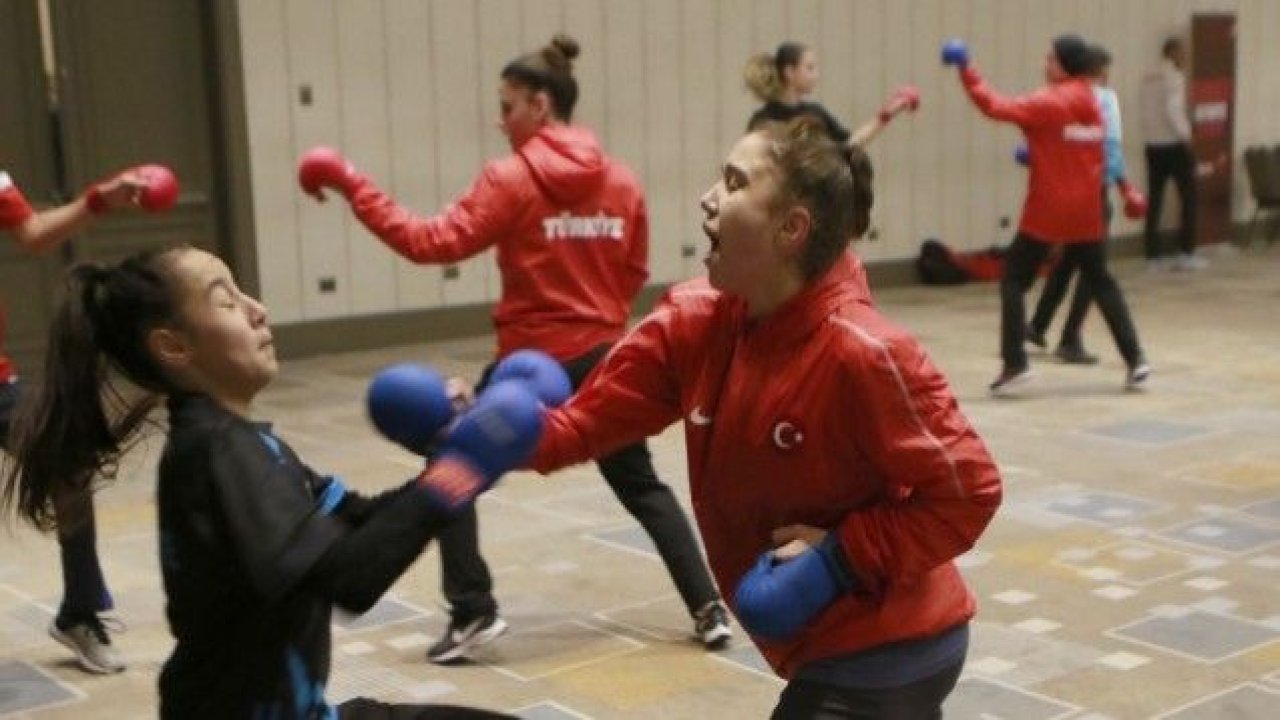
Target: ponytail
[
  {"x": 863, "y": 195},
  {"x": 761, "y": 77},
  {"x": 764, "y": 72},
  {"x": 78, "y": 421}
]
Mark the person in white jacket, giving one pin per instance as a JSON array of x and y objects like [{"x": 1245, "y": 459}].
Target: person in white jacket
[{"x": 1167, "y": 131}]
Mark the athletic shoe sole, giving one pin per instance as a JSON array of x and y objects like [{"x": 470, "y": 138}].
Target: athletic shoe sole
[
  {"x": 1013, "y": 384},
  {"x": 475, "y": 640},
  {"x": 1137, "y": 379},
  {"x": 716, "y": 638},
  {"x": 85, "y": 661}
]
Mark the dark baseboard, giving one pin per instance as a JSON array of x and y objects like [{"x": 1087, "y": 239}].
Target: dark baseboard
[{"x": 367, "y": 332}]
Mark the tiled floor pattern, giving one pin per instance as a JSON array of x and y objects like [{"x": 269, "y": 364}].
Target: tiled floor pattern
[{"x": 1133, "y": 572}]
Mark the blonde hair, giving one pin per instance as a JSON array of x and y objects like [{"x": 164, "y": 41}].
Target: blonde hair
[
  {"x": 763, "y": 74},
  {"x": 761, "y": 77}
]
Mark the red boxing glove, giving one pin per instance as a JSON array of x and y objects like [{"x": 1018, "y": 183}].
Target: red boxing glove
[
  {"x": 159, "y": 188},
  {"x": 1135, "y": 203},
  {"x": 906, "y": 97},
  {"x": 323, "y": 167},
  {"x": 153, "y": 187}
]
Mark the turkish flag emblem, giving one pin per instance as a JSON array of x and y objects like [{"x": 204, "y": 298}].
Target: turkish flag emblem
[{"x": 787, "y": 435}]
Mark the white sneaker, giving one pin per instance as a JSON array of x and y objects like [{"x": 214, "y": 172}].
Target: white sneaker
[
  {"x": 1137, "y": 376},
  {"x": 460, "y": 638},
  {"x": 91, "y": 644},
  {"x": 1010, "y": 381},
  {"x": 711, "y": 626}
]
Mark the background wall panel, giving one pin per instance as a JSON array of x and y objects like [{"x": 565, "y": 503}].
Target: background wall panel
[
  {"x": 412, "y": 117},
  {"x": 999, "y": 174},
  {"x": 364, "y": 111},
  {"x": 921, "y": 47},
  {"x": 886, "y": 27},
  {"x": 459, "y": 134},
  {"x": 499, "y": 29},
  {"x": 269, "y": 98},
  {"x": 408, "y": 87},
  {"x": 959, "y": 208},
  {"x": 663, "y": 117},
  {"x": 734, "y": 44},
  {"x": 312, "y": 45},
  {"x": 584, "y": 20},
  {"x": 700, "y": 148},
  {"x": 622, "y": 52}
]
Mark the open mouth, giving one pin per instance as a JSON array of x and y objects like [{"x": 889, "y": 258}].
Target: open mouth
[{"x": 714, "y": 237}]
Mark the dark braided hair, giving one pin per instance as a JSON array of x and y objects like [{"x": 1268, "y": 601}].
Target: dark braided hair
[
  {"x": 76, "y": 424},
  {"x": 549, "y": 69}
]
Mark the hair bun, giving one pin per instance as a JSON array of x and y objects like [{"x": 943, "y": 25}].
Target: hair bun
[{"x": 567, "y": 46}]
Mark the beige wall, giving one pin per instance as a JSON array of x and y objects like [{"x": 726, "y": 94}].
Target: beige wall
[{"x": 407, "y": 89}]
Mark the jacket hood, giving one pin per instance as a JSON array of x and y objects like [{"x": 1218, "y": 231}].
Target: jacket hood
[{"x": 566, "y": 161}]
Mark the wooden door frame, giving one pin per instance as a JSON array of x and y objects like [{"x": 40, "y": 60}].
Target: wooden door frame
[{"x": 233, "y": 164}]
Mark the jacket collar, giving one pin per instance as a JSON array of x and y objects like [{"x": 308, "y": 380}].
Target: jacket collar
[{"x": 800, "y": 315}]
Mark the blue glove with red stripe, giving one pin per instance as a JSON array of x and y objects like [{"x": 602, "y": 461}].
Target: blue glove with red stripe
[
  {"x": 776, "y": 600},
  {"x": 495, "y": 435}
]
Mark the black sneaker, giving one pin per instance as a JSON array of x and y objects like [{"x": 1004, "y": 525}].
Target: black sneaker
[
  {"x": 1010, "y": 380},
  {"x": 1075, "y": 355},
  {"x": 1035, "y": 337},
  {"x": 711, "y": 626},
  {"x": 462, "y": 636}
]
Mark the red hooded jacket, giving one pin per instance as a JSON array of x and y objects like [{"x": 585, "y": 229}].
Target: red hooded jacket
[
  {"x": 14, "y": 211},
  {"x": 823, "y": 413},
  {"x": 1063, "y": 126},
  {"x": 571, "y": 230}
]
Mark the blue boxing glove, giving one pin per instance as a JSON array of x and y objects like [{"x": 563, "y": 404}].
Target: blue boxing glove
[
  {"x": 493, "y": 436},
  {"x": 776, "y": 600},
  {"x": 539, "y": 372},
  {"x": 409, "y": 405},
  {"x": 955, "y": 52},
  {"x": 1022, "y": 155}
]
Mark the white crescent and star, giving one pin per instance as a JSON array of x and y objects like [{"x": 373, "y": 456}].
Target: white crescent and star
[{"x": 786, "y": 435}]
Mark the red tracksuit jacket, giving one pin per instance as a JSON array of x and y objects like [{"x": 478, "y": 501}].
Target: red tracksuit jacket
[
  {"x": 572, "y": 235},
  {"x": 14, "y": 210},
  {"x": 823, "y": 413},
  {"x": 1063, "y": 126}
]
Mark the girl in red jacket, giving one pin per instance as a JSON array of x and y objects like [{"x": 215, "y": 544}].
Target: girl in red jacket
[
  {"x": 834, "y": 478},
  {"x": 572, "y": 237}
]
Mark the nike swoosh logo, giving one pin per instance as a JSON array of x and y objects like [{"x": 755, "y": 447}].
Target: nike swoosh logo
[{"x": 697, "y": 418}]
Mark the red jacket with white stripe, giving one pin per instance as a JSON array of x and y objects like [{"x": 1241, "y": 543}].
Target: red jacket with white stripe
[
  {"x": 823, "y": 413},
  {"x": 14, "y": 211},
  {"x": 1063, "y": 126},
  {"x": 571, "y": 231}
]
